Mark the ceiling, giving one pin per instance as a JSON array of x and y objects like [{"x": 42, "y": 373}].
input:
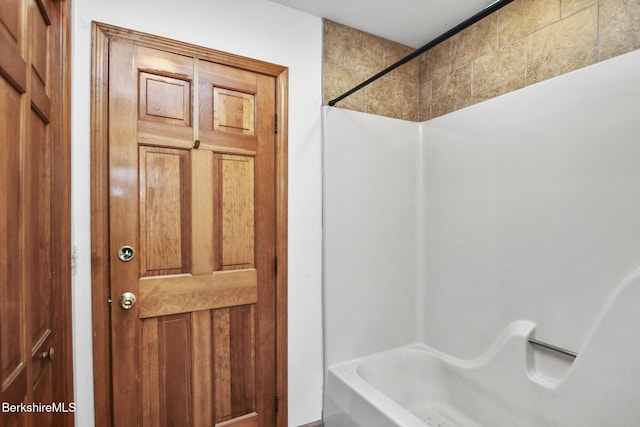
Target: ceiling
[{"x": 410, "y": 22}]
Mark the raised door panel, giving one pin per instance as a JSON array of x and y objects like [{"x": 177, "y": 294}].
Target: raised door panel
[
  {"x": 228, "y": 109},
  {"x": 168, "y": 378},
  {"x": 13, "y": 66},
  {"x": 164, "y": 99},
  {"x": 234, "y": 367},
  {"x": 234, "y": 200},
  {"x": 13, "y": 358},
  {"x": 234, "y": 111},
  {"x": 40, "y": 47},
  {"x": 39, "y": 38},
  {"x": 11, "y": 21},
  {"x": 37, "y": 234},
  {"x": 165, "y": 211}
]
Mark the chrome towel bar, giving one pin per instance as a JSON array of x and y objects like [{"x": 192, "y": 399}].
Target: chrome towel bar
[{"x": 560, "y": 350}]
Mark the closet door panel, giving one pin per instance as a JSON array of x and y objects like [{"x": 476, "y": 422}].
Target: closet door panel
[{"x": 196, "y": 207}]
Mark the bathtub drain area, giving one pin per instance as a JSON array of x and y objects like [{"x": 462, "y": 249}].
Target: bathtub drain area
[{"x": 442, "y": 415}]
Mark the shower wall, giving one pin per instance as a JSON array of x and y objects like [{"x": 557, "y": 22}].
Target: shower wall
[
  {"x": 531, "y": 209},
  {"x": 369, "y": 240},
  {"x": 526, "y": 206}
]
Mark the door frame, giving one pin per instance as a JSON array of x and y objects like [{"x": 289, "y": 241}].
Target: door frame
[
  {"x": 102, "y": 35},
  {"x": 62, "y": 262}
]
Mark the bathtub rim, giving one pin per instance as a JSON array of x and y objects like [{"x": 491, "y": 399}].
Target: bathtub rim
[{"x": 349, "y": 375}]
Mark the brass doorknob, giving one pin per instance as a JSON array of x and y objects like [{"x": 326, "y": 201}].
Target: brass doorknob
[
  {"x": 47, "y": 355},
  {"x": 128, "y": 300}
]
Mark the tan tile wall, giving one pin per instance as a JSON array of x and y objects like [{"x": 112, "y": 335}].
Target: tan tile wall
[
  {"x": 525, "y": 42},
  {"x": 351, "y": 56}
]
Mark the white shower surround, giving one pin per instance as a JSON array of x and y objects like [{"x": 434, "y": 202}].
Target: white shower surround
[
  {"x": 369, "y": 242},
  {"x": 524, "y": 207}
]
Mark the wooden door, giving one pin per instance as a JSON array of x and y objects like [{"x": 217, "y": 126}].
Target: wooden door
[
  {"x": 35, "y": 348},
  {"x": 192, "y": 192}
]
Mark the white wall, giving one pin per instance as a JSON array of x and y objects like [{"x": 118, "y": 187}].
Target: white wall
[
  {"x": 370, "y": 166},
  {"x": 531, "y": 209},
  {"x": 253, "y": 28}
]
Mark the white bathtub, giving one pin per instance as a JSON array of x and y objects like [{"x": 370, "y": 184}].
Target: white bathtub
[
  {"x": 417, "y": 386},
  {"x": 400, "y": 387}
]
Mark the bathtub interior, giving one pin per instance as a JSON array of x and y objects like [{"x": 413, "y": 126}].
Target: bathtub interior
[
  {"x": 416, "y": 385},
  {"x": 518, "y": 214}
]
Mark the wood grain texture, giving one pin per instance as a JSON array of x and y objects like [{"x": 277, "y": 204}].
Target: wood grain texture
[
  {"x": 163, "y": 135},
  {"x": 211, "y": 55},
  {"x": 227, "y": 108},
  {"x": 222, "y": 364},
  {"x": 122, "y": 204},
  {"x": 13, "y": 67},
  {"x": 37, "y": 232},
  {"x": 237, "y": 219},
  {"x": 12, "y": 354},
  {"x": 164, "y": 99},
  {"x": 182, "y": 293},
  {"x": 100, "y": 256},
  {"x": 36, "y": 181},
  {"x": 234, "y": 367},
  {"x": 10, "y": 20},
  {"x": 239, "y": 305},
  {"x": 40, "y": 102},
  {"x": 162, "y": 232},
  {"x": 176, "y": 376},
  {"x": 166, "y": 347},
  {"x": 165, "y": 211},
  {"x": 265, "y": 247},
  {"x": 282, "y": 180},
  {"x": 202, "y": 344},
  {"x": 150, "y": 373},
  {"x": 35, "y": 277},
  {"x": 39, "y": 39},
  {"x": 60, "y": 96},
  {"x": 242, "y": 350},
  {"x": 249, "y": 420},
  {"x": 233, "y": 111},
  {"x": 163, "y": 186},
  {"x": 202, "y": 184}
]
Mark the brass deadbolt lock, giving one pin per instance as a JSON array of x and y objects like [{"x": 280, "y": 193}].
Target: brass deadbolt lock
[{"x": 126, "y": 253}]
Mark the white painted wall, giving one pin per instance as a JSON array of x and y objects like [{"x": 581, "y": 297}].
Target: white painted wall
[
  {"x": 253, "y": 28},
  {"x": 370, "y": 166}
]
